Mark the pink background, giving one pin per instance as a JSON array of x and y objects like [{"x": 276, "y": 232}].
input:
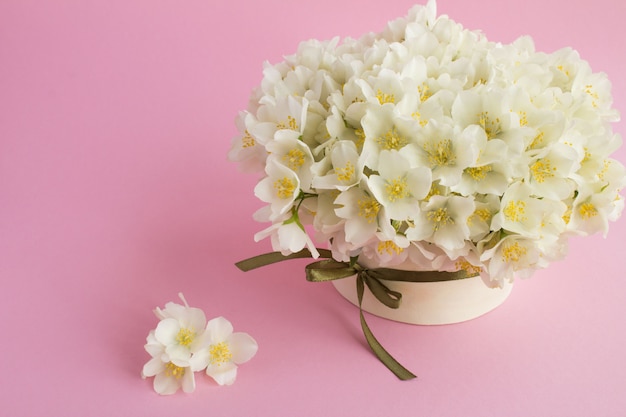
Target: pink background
[{"x": 115, "y": 194}]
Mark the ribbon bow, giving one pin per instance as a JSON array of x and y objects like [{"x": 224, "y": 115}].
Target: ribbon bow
[{"x": 329, "y": 270}]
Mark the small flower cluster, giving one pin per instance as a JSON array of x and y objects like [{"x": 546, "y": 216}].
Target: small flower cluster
[
  {"x": 183, "y": 343},
  {"x": 427, "y": 144}
]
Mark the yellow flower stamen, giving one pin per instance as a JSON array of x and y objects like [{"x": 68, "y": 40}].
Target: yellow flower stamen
[
  {"x": 385, "y": 98},
  {"x": 285, "y": 187},
  {"x": 538, "y": 141},
  {"x": 440, "y": 218},
  {"x": 290, "y": 124},
  {"x": 397, "y": 189},
  {"x": 173, "y": 370},
  {"x": 587, "y": 210},
  {"x": 368, "y": 209},
  {"x": 220, "y": 353},
  {"x": 247, "y": 141},
  {"x": 490, "y": 126},
  {"x": 483, "y": 214},
  {"x": 593, "y": 94},
  {"x": 542, "y": 169},
  {"x": 440, "y": 153},
  {"x": 606, "y": 164},
  {"x": 424, "y": 92},
  {"x": 523, "y": 119},
  {"x": 568, "y": 215},
  {"x": 389, "y": 247},
  {"x": 392, "y": 140},
  {"x": 515, "y": 210},
  {"x": 470, "y": 269},
  {"x": 513, "y": 252},
  {"x": 185, "y": 336},
  {"x": 479, "y": 173},
  {"x": 294, "y": 159},
  {"x": 418, "y": 116},
  {"x": 346, "y": 173},
  {"x": 360, "y": 134}
]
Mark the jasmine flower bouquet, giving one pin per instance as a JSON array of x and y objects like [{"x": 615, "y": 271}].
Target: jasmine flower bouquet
[{"x": 430, "y": 145}]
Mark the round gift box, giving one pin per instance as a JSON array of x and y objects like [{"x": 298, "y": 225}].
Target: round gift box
[{"x": 427, "y": 303}]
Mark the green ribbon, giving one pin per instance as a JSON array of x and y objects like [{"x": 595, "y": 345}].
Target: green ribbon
[{"x": 329, "y": 269}]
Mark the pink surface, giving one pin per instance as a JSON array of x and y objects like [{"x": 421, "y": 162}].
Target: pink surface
[{"x": 115, "y": 194}]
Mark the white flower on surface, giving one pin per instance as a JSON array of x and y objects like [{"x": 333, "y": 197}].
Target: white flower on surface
[
  {"x": 172, "y": 344},
  {"x": 179, "y": 330},
  {"x": 168, "y": 376},
  {"x": 224, "y": 351},
  {"x": 184, "y": 343}
]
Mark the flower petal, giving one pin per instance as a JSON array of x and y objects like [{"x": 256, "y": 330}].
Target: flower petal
[
  {"x": 165, "y": 385},
  {"x": 194, "y": 319},
  {"x": 179, "y": 354},
  {"x": 219, "y": 329},
  {"x": 223, "y": 374},
  {"x": 243, "y": 347},
  {"x": 166, "y": 331},
  {"x": 152, "y": 367},
  {"x": 200, "y": 360},
  {"x": 188, "y": 381}
]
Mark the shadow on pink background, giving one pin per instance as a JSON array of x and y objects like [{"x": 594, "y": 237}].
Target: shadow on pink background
[{"x": 115, "y": 194}]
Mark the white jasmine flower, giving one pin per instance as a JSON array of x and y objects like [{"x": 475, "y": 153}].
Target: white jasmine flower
[
  {"x": 428, "y": 142},
  {"x": 386, "y": 250},
  {"x": 384, "y": 130},
  {"x": 245, "y": 149},
  {"x": 486, "y": 108},
  {"x": 291, "y": 152},
  {"x": 179, "y": 330},
  {"x": 399, "y": 187},
  {"x": 280, "y": 188},
  {"x": 521, "y": 212},
  {"x": 288, "y": 236},
  {"x": 172, "y": 344},
  {"x": 224, "y": 351},
  {"x": 550, "y": 172},
  {"x": 274, "y": 114},
  {"x": 490, "y": 172},
  {"x": 213, "y": 346},
  {"x": 511, "y": 255},
  {"x": 444, "y": 222},
  {"x": 347, "y": 168},
  {"x": 591, "y": 213},
  {"x": 362, "y": 214},
  {"x": 479, "y": 222},
  {"x": 168, "y": 375},
  {"x": 385, "y": 87},
  {"x": 447, "y": 151}
]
